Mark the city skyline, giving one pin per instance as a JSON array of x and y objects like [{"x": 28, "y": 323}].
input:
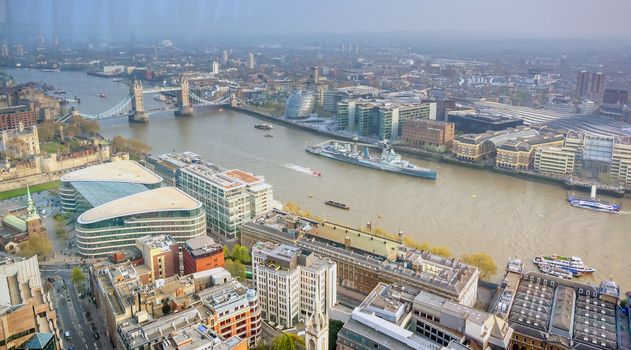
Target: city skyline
[{"x": 122, "y": 20}]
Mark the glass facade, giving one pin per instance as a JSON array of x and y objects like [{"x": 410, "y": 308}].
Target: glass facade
[
  {"x": 102, "y": 238},
  {"x": 300, "y": 104}
]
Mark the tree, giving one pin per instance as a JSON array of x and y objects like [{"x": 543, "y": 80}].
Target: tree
[
  {"x": 77, "y": 277},
  {"x": 47, "y": 131},
  {"x": 334, "y": 327},
  {"x": 482, "y": 261},
  {"x": 241, "y": 253},
  {"x": 410, "y": 242},
  {"x": 226, "y": 252},
  {"x": 441, "y": 251},
  {"x": 135, "y": 148},
  {"x": 287, "y": 341},
  {"x": 236, "y": 269},
  {"x": 36, "y": 245},
  {"x": 61, "y": 233}
]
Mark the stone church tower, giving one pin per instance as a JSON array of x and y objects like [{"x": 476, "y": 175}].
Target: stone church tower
[{"x": 317, "y": 332}]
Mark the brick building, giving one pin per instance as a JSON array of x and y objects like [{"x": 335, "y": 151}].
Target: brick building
[
  {"x": 200, "y": 254},
  {"x": 424, "y": 132},
  {"x": 11, "y": 117}
]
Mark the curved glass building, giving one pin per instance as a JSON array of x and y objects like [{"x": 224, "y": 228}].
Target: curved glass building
[
  {"x": 300, "y": 104},
  {"x": 117, "y": 224},
  {"x": 90, "y": 187}
]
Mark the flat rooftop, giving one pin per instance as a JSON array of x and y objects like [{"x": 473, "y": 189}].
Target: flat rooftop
[
  {"x": 243, "y": 176},
  {"x": 126, "y": 171},
  {"x": 213, "y": 177},
  {"x": 359, "y": 240},
  {"x": 156, "y": 200}
]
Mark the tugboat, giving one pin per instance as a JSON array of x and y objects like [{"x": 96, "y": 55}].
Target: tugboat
[
  {"x": 593, "y": 203},
  {"x": 337, "y": 205},
  {"x": 572, "y": 264},
  {"x": 264, "y": 126}
]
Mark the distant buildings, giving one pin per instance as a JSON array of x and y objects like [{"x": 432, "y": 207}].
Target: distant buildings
[
  {"x": 363, "y": 260},
  {"x": 612, "y": 96},
  {"x": 214, "y": 68},
  {"x": 117, "y": 224},
  {"x": 26, "y": 310},
  {"x": 332, "y": 97},
  {"x": 380, "y": 118},
  {"x": 300, "y": 104},
  {"x": 421, "y": 132},
  {"x": 251, "y": 60},
  {"x": 293, "y": 284},
  {"x": 12, "y": 117},
  {"x": 201, "y": 254},
  {"x": 590, "y": 85}
]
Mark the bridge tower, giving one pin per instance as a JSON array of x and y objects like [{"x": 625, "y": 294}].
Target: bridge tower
[
  {"x": 138, "y": 113},
  {"x": 183, "y": 100}
]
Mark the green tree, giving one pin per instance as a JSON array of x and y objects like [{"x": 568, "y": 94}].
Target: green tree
[
  {"x": 287, "y": 341},
  {"x": 226, "y": 252},
  {"x": 441, "y": 251},
  {"x": 241, "y": 253},
  {"x": 61, "y": 233},
  {"x": 37, "y": 245},
  {"x": 334, "y": 327},
  {"x": 482, "y": 261},
  {"x": 47, "y": 130},
  {"x": 135, "y": 148},
  {"x": 77, "y": 277},
  {"x": 236, "y": 269}
]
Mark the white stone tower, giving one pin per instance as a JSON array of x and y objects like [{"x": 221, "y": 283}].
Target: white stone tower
[{"x": 317, "y": 331}]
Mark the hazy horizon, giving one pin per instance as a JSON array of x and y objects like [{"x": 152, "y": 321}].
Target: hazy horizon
[{"x": 198, "y": 19}]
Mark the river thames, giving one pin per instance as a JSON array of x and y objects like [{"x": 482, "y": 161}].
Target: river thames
[{"x": 467, "y": 210}]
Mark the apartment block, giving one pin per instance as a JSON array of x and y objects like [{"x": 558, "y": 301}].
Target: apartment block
[
  {"x": 200, "y": 254},
  {"x": 555, "y": 160},
  {"x": 161, "y": 255}
]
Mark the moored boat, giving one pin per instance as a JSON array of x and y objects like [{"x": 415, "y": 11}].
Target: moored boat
[
  {"x": 593, "y": 203},
  {"x": 572, "y": 264},
  {"x": 264, "y": 126},
  {"x": 337, "y": 205}
]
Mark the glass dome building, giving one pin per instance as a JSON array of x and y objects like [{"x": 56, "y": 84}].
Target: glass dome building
[{"x": 300, "y": 104}]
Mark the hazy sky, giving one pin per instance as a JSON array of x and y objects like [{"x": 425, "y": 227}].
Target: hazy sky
[{"x": 172, "y": 18}]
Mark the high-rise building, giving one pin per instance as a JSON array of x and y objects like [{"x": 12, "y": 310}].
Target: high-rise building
[
  {"x": 251, "y": 61},
  {"x": 224, "y": 57},
  {"x": 26, "y": 310},
  {"x": 200, "y": 254},
  {"x": 597, "y": 86},
  {"x": 55, "y": 40},
  {"x": 161, "y": 255},
  {"x": 612, "y": 96},
  {"x": 292, "y": 283},
  {"x": 314, "y": 75},
  {"x": 215, "y": 68},
  {"x": 4, "y": 50},
  {"x": 19, "y": 50},
  {"x": 582, "y": 83}
]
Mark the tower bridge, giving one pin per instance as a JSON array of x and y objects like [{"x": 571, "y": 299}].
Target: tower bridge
[{"x": 133, "y": 105}]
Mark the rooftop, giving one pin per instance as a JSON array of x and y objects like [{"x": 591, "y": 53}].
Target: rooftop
[
  {"x": 359, "y": 240},
  {"x": 127, "y": 171},
  {"x": 101, "y": 192},
  {"x": 213, "y": 177},
  {"x": 156, "y": 200},
  {"x": 162, "y": 242},
  {"x": 242, "y": 176}
]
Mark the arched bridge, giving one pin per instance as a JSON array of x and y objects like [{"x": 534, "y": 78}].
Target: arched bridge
[{"x": 132, "y": 105}]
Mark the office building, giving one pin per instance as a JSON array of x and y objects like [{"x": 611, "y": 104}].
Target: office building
[
  {"x": 618, "y": 97},
  {"x": 201, "y": 253},
  {"x": 260, "y": 194},
  {"x": 19, "y": 50},
  {"x": 621, "y": 162},
  {"x": 582, "y": 83},
  {"x": 167, "y": 165},
  {"x": 332, "y": 97},
  {"x": 293, "y": 283},
  {"x": 597, "y": 86},
  {"x": 224, "y": 57},
  {"x": 161, "y": 255},
  {"x": 251, "y": 61},
  {"x": 548, "y": 312},
  {"x": 12, "y": 118},
  {"x": 422, "y": 132},
  {"x": 300, "y": 104},
  {"x": 382, "y": 321},
  {"x": 479, "y": 122},
  {"x": 363, "y": 259},
  {"x": 225, "y": 198},
  {"x": 93, "y": 186},
  {"x": 26, "y": 310},
  {"x": 314, "y": 76},
  {"x": 117, "y": 224},
  {"x": 4, "y": 50},
  {"x": 518, "y": 154},
  {"x": 554, "y": 160}
]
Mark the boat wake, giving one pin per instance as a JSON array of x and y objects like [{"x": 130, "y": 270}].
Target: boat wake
[{"x": 301, "y": 169}]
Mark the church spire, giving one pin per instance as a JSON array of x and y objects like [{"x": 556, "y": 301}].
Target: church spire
[{"x": 31, "y": 210}]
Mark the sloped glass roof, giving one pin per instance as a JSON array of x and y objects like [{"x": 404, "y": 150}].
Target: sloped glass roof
[{"x": 97, "y": 193}]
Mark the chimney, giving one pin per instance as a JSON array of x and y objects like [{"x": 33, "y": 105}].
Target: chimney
[{"x": 347, "y": 242}]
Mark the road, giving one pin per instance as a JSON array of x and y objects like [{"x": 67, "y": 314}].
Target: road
[{"x": 77, "y": 315}]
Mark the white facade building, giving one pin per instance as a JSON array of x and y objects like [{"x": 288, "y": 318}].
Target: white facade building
[{"x": 292, "y": 283}]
